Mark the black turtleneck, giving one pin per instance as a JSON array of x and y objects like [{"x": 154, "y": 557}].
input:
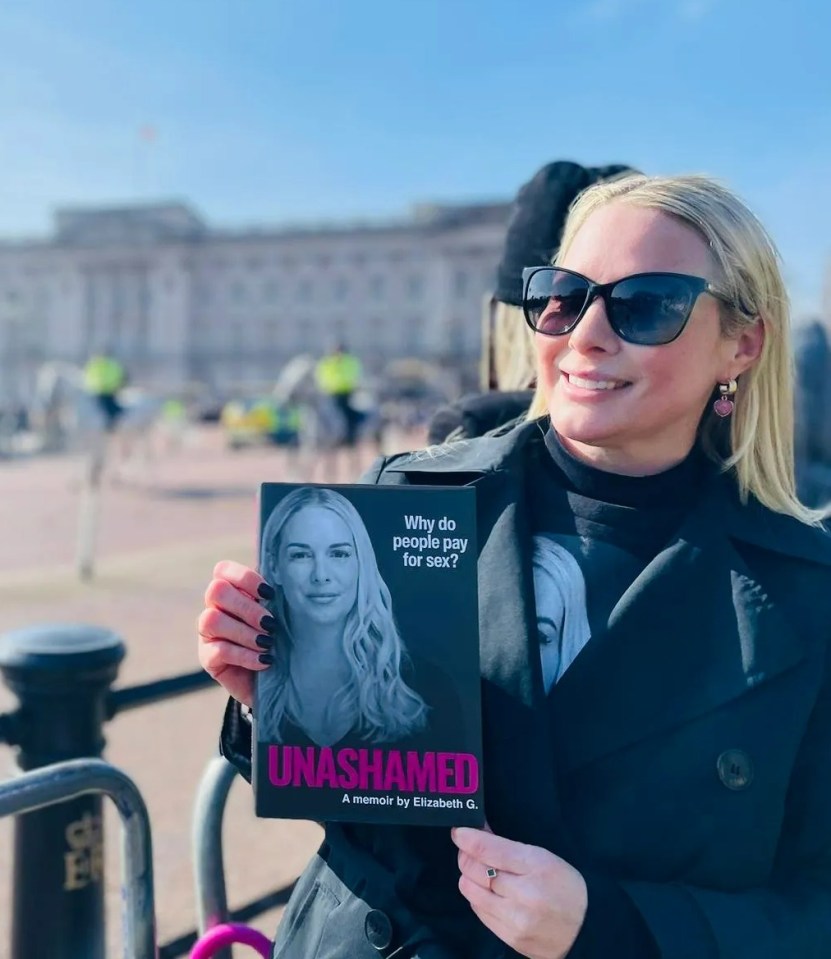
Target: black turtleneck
[{"x": 613, "y": 525}]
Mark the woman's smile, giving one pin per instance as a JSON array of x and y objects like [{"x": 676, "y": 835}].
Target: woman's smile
[
  {"x": 591, "y": 385},
  {"x": 322, "y": 599}
]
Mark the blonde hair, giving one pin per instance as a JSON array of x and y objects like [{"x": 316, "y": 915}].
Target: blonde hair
[
  {"x": 508, "y": 358},
  {"x": 760, "y": 446}
]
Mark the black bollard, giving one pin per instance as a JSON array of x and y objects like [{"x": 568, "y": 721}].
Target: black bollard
[{"x": 61, "y": 675}]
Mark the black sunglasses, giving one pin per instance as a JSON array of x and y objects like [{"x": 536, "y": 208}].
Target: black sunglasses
[{"x": 648, "y": 309}]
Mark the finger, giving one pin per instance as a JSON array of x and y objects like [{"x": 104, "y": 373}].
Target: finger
[
  {"x": 477, "y": 872},
  {"x": 482, "y": 901},
  {"x": 223, "y": 595},
  {"x": 216, "y": 655},
  {"x": 503, "y": 854},
  {"x": 213, "y": 624},
  {"x": 244, "y": 578}
]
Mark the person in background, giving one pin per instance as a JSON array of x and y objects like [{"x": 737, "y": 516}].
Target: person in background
[
  {"x": 507, "y": 372},
  {"x": 813, "y": 413},
  {"x": 104, "y": 378},
  {"x": 338, "y": 376}
]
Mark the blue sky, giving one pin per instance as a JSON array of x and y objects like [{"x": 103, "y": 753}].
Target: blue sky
[{"x": 268, "y": 111}]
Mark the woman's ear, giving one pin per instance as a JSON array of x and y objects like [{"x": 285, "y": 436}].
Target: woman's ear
[{"x": 749, "y": 344}]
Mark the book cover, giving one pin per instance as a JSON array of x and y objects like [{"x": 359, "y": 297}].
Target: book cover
[{"x": 371, "y": 710}]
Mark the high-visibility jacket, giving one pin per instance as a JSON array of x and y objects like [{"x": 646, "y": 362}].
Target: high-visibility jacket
[
  {"x": 337, "y": 374},
  {"x": 103, "y": 375}
]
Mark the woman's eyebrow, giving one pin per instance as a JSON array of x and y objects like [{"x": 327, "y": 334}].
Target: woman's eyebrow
[{"x": 307, "y": 546}]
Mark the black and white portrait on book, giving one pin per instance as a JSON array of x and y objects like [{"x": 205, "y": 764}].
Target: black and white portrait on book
[{"x": 341, "y": 666}]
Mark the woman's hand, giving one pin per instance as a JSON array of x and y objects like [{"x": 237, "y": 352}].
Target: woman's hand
[
  {"x": 536, "y": 903},
  {"x": 236, "y": 634}
]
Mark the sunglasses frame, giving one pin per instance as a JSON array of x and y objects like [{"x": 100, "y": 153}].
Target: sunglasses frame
[{"x": 697, "y": 285}]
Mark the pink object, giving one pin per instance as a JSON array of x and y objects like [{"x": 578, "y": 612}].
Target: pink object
[
  {"x": 723, "y": 406},
  {"x": 226, "y": 934}
]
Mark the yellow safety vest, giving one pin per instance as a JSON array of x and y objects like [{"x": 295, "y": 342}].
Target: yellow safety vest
[
  {"x": 103, "y": 375},
  {"x": 339, "y": 373}
]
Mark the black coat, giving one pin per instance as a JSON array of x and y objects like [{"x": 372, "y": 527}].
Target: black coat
[
  {"x": 476, "y": 414},
  {"x": 692, "y": 743}
]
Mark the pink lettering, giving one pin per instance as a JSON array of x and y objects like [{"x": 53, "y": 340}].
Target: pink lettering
[
  {"x": 304, "y": 766},
  {"x": 278, "y": 776},
  {"x": 326, "y": 775},
  {"x": 372, "y": 769},
  {"x": 446, "y": 772},
  {"x": 421, "y": 773},
  {"x": 375, "y": 767},
  {"x": 395, "y": 772},
  {"x": 346, "y": 764}
]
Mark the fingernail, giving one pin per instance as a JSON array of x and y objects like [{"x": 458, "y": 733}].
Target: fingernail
[
  {"x": 268, "y": 624},
  {"x": 265, "y": 658},
  {"x": 264, "y": 642},
  {"x": 266, "y": 591}
]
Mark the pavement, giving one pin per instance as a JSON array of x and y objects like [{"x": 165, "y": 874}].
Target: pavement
[{"x": 159, "y": 536}]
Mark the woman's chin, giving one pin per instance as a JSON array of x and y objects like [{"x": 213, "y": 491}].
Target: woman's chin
[
  {"x": 584, "y": 427},
  {"x": 325, "y": 616}
]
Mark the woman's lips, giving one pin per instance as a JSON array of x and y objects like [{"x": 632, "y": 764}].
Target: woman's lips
[
  {"x": 322, "y": 599},
  {"x": 594, "y": 383}
]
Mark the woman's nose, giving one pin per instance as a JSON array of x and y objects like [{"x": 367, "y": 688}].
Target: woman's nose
[
  {"x": 320, "y": 570},
  {"x": 594, "y": 332}
]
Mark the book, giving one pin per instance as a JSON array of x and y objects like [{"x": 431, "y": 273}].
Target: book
[{"x": 371, "y": 711}]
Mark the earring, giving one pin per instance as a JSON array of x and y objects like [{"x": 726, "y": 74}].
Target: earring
[{"x": 724, "y": 405}]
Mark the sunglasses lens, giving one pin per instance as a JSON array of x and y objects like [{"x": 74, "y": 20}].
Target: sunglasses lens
[
  {"x": 651, "y": 310},
  {"x": 553, "y": 301}
]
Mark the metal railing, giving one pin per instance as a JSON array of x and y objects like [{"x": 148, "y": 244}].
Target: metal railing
[
  {"x": 63, "y": 782},
  {"x": 62, "y": 676}
]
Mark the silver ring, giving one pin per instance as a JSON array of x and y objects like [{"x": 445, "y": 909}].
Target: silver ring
[{"x": 491, "y": 873}]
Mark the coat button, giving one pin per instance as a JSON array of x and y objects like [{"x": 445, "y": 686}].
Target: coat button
[
  {"x": 378, "y": 929},
  {"x": 735, "y": 769}
]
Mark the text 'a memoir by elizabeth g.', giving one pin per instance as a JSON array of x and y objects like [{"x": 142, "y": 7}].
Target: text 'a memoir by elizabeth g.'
[{"x": 370, "y": 711}]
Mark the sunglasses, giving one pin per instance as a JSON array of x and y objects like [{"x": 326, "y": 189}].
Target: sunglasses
[{"x": 648, "y": 309}]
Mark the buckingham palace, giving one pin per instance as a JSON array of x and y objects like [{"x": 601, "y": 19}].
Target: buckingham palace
[{"x": 179, "y": 301}]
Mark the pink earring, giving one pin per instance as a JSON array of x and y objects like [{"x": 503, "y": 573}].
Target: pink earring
[{"x": 724, "y": 405}]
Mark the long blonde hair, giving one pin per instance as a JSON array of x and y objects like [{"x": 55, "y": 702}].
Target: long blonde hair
[{"x": 760, "y": 445}]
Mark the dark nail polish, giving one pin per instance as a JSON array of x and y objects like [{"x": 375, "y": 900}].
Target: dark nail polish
[
  {"x": 264, "y": 642},
  {"x": 268, "y": 624},
  {"x": 266, "y": 591},
  {"x": 266, "y": 658}
]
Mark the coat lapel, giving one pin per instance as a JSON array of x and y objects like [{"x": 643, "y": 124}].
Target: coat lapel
[{"x": 694, "y": 631}]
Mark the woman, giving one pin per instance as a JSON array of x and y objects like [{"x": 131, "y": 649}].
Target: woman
[
  {"x": 670, "y": 795},
  {"x": 337, "y": 665}
]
